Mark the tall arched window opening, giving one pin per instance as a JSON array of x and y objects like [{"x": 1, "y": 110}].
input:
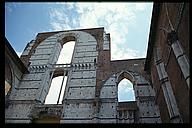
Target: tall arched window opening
[
  {"x": 56, "y": 91},
  {"x": 66, "y": 53},
  {"x": 125, "y": 91}
]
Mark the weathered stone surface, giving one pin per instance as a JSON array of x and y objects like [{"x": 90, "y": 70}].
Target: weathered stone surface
[
  {"x": 78, "y": 111},
  {"x": 91, "y": 93},
  {"x": 81, "y": 93}
]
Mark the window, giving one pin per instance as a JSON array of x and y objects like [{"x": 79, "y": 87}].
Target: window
[
  {"x": 125, "y": 91},
  {"x": 54, "y": 96},
  {"x": 66, "y": 53},
  {"x": 54, "y": 90}
]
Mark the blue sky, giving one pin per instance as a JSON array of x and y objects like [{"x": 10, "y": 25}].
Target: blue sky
[{"x": 128, "y": 23}]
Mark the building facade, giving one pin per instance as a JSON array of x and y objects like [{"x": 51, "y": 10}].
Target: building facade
[{"x": 91, "y": 92}]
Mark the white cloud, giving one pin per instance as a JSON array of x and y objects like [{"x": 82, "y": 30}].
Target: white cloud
[
  {"x": 59, "y": 19},
  {"x": 116, "y": 18},
  {"x": 124, "y": 53}
]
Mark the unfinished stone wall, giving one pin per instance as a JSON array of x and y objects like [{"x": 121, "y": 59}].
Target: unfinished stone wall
[
  {"x": 160, "y": 81},
  {"x": 147, "y": 112},
  {"x": 80, "y": 89},
  {"x": 91, "y": 94}
]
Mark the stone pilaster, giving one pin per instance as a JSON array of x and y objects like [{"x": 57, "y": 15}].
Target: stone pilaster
[
  {"x": 181, "y": 58},
  {"x": 167, "y": 90}
]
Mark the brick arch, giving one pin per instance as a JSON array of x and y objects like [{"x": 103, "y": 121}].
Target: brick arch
[
  {"x": 127, "y": 75},
  {"x": 67, "y": 39}
]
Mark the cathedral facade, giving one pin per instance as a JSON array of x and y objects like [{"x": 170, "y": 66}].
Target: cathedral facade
[{"x": 160, "y": 81}]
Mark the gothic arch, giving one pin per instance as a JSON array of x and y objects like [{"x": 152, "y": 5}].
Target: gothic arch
[
  {"x": 127, "y": 75},
  {"x": 115, "y": 80},
  {"x": 144, "y": 97}
]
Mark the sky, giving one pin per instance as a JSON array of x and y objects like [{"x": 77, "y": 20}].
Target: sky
[{"x": 127, "y": 22}]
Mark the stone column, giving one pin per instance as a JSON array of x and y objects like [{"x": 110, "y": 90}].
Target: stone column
[
  {"x": 181, "y": 58},
  {"x": 167, "y": 90},
  {"x": 64, "y": 73}
]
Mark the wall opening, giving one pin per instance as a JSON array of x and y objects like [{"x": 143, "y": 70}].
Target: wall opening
[
  {"x": 58, "y": 83},
  {"x": 125, "y": 91},
  {"x": 54, "y": 91},
  {"x": 66, "y": 53}
]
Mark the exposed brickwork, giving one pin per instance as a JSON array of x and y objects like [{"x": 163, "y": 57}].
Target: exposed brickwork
[
  {"x": 175, "y": 75},
  {"x": 91, "y": 94},
  {"x": 179, "y": 87},
  {"x": 88, "y": 93}
]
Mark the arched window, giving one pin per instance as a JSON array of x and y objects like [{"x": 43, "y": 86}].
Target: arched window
[
  {"x": 66, "y": 53},
  {"x": 57, "y": 88},
  {"x": 125, "y": 91}
]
